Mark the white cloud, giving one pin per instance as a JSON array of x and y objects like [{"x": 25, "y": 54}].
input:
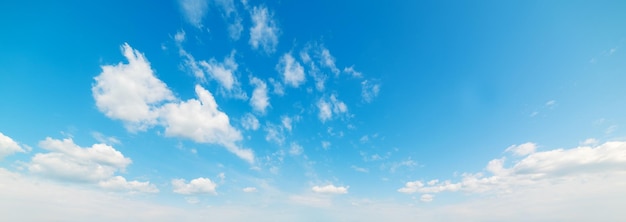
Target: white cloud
[
  {"x": 350, "y": 70},
  {"x": 194, "y": 11},
  {"x": 232, "y": 17},
  {"x": 68, "y": 161},
  {"x": 551, "y": 103},
  {"x": 119, "y": 183},
  {"x": 264, "y": 31},
  {"x": 523, "y": 149},
  {"x": 249, "y": 122},
  {"x": 130, "y": 92},
  {"x": 101, "y": 138},
  {"x": 291, "y": 70},
  {"x": 202, "y": 121},
  {"x": 287, "y": 122},
  {"x": 590, "y": 142},
  {"x": 249, "y": 189},
  {"x": 222, "y": 72},
  {"x": 325, "y": 144},
  {"x": 325, "y": 112},
  {"x": 295, "y": 149},
  {"x": 369, "y": 90},
  {"x": 259, "y": 100},
  {"x": 278, "y": 88},
  {"x": 189, "y": 61},
  {"x": 538, "y": 170},
  {"x": 330, "y": 189},
  {"x": 196, "y": 186},
  {"x": 328, "y": 108},
  {"x": 8, "y": 146},
  {"x": 328, "y": 61},
  {"x": 427, "y": 197}
]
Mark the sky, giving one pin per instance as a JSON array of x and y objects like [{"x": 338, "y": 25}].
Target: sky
[{"x": 247, "y": 110}]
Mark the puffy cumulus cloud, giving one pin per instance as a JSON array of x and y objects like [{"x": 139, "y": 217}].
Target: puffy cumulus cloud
[
  {"x": 249, "y": 122},
  {"x": 260, "y": 100},
  {"x": 369, "y": 90},
  {"x": 329, "y": 107},
  {"x": 196, "y": 186},
  {"x": 119, "y": 183},
  {"x": 264, "y": 31},
  {"x": 130, "y": 92},
  {"x": 8, "y": 146},
  {"x": 330, "y": 189},
  {"x": 249, "y": 189},
  {"x": 194, "y": 11},
  {"x": 538, "y": 169},
  {"x": 201, "y": 121},
  {"x": 523, "y": 149},
  {"x": 67, "y": 160},
  {"x": 291, "y": 70}
]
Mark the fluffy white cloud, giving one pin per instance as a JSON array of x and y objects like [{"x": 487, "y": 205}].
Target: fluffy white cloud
[
  {"x": 194, "y": 11},
  {"x": 264, "y": 31},
  {"x": 259, "y": 100},
  {"x": 222, "y": 72},
  {"x": 291, "y": 70},
  {"x": 330, "y": 189},
  {"x": 249, "y": 189},
  {"x": 130, "y": 92},
  {"x": 67, "y": 160},
  {"x": 523, "y": 149},
  {"x": 249, "y": 122},
  {"x": 369, "y": 90},
  {"x": 202, "y": 121},
  {"x": 8, "y": 146},
  {"x": 287, "y": 122},
  {"x": 329, "y": 107},
  {"x": 119, "y": 183},
  {"x": 196, "y": 186},
  {"x": 569, "y": 166}
]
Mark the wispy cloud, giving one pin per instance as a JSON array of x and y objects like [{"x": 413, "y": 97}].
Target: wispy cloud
[
  {"x": 264, "y": 31},
  {"x": 194, "y": 11}
]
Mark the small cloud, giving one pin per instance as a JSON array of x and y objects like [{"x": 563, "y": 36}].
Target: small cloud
[
  {"x": 611, "y": 129},
  {"x": 550, "y": 103},
  {"x": 196, "y": 186},
  {"x": 427, "y": 198},
  {"x": 296, "y": 149},
  {"x": 259, "y": 100},
  {"x": 101, "y": 138},
  {"x": 590, "y": 142},
  {"x": 249, "y": 122},
  {"x": 291, "y": 70},
  {"x": 369, "y": 90},
  {"x": 325, "y": 144},
  {"x": 351, "y": 71},
  {"x": 264, "y": 31},
  {"x": 8, "y": 146},
  {"x": 250, "y": 189},
  {"x": 523, "y": 149},
  {"x": 192, "y": 200},
  {"x": 330, "y": 189},
  {"x": 194, "y": 11}
]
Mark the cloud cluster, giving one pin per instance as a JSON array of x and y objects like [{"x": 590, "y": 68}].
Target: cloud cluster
[
  {"x": 264, "y": 31},
  {"x": 132, "y": 93},
  {"x": 96, "y": 164},
  {"x": 329, "y": 107},
  {"x": 535, "y": 169}
]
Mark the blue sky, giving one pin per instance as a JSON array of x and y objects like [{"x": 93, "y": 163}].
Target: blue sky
[{"x": 309, "y": 111}]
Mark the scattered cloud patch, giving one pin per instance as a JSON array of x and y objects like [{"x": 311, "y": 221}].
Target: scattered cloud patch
[
  {"x": 351, "y": 71},
  {"x": 194, "y": 11},
  {"x": 249, "y": 122},
  {"x": 119, "y": 183},
  {"x": 224, "y": 73},
  {"x": 359, "y": 169},
  {"x": 264, "y": 31},
  {"x": 427, "y": 198},
  {"x": 369, "y": 90},
  {"x": 249, "y": 189},
  {"x": 259, "y": 100},
  {"x": 330, "y": 189},
  {"x": 295, "y": 149},
  {"x": 291, "y": 71},
  {"x": 523, "y": 149},
  {"x": 196, "y": 186}
]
